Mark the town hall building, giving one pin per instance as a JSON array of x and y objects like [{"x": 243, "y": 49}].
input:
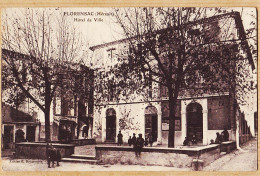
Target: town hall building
[{"x": 201, "y": 115}]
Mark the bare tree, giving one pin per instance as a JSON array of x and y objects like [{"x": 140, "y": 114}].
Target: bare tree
[
  {"x": 185, "y": 51},
  {"x": 39, "y": 47}
]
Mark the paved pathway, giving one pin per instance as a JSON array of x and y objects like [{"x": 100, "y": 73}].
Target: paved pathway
[
  {"x": 41, "y": 165},
  {"x": 238, "y": 160}
]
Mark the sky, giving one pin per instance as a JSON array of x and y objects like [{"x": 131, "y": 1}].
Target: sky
[
  {"x": 106, "y": 30},
  {"x": 98, "y": 32},
  {"x": 98, "y": 26}
]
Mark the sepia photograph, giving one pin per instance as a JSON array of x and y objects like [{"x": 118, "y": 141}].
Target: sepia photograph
[{"x": 129, "y": 89}]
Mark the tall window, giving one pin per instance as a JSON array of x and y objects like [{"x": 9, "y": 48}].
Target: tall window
[
  {"x": 111, "y": 53},
  {"x": 67, "y": 104}
]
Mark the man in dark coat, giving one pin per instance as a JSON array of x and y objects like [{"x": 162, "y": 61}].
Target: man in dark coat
[
  {"x": 134, "y": 140},
  {"x": 57, "y": 156},
  {"x": 218, "y": 138},
  {"x": 120, "y": 138},
  {"x": 52, "y": 154},
  {"x": 48, "y": 154},
  {"x": 130, "y": 141},
  {"x": 186, "y": 142},
  {"x": 225, "y": 135},
  {"x": 146, "y": 141},
  {"x": 139, "y": 145}
]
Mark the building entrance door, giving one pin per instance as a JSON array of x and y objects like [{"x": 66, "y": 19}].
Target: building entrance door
[
  {"x": 111, "y": 125},
  {"x": 111, "y": 128},
  {"x": 195, "y": 121},
  {"x": 8, "y": 137},
  {"x": 151, "y": 124},
  {"x": 30, "y": 133}
]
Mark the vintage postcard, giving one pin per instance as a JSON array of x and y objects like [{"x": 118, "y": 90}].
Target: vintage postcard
[{"x": 129, "y": 89}]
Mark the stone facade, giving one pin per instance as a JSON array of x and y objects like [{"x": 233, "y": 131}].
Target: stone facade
[
  {"x": 200, "y": 113},
  {"x": 18, "y": 126},
  {"x": 215, "y": 115}
]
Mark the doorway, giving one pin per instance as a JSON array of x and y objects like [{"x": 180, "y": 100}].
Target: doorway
[
  {"x": 110, "y": 125},
  {"x": 66, "y": 131},
  {"x": 30, "y": 133},
  {"x": 8, "y": 137},
  {"x": 151, "y": 122},
  {"x": 195, "y": 121},
  {"x": 151, "y": 125}
]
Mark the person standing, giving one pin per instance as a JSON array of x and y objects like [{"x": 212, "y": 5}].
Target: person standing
[
  {"x": 120, "y": 138},
  {"x": 85, "y": 131},
  {"x": 52, "y": 154},
  {"x": 134, "y": 140},
  {"x": 48, "y": 155},
  {"x": 150, "y": 138},
  {"x": 139, "y": 145},
  {"x": 57, "y": 156},
  {"x": 130, "y": 141},
  {"x": 146, "y": 141}
]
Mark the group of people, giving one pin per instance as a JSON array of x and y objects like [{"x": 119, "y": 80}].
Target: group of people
[
  {"x": 191, "y": 141},
  {"x": 223, "y": 137},
  {"x": 148, "y": 139},
  {"x": 52, "y": 155},
  {"x": 137, "y": 142}
]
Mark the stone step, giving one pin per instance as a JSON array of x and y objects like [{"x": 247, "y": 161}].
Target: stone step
[
  {"x": 8, "y": 154},
  {"x": 88, "y": 157},
  {"x": 77, "y": 160}
]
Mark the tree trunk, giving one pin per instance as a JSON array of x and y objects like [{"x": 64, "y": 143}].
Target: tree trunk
[
  {"x": 47, "y": 124},
  {"x": 171, "y": 119},
  {"x": 47, "y": 103}
]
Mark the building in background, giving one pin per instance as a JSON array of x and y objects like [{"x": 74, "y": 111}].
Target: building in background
[
  {"x": 73, "y": 107},
  {"x": 71, "y": 111},
  {"x": 18, "y": 126},
  {"x": 201, "y": 115}
]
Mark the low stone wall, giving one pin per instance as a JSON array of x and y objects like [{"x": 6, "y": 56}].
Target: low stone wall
[
  {"x": 79, "y": 142},
  {"x": 38, "y": 150},
  {"x": 210, "y": 154},
  {"x": 228, "y": 146},
  {"x": 149, "y": 156},
  {"x": 126, "y": 155},
  {"x": 183, "y": 157}
]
